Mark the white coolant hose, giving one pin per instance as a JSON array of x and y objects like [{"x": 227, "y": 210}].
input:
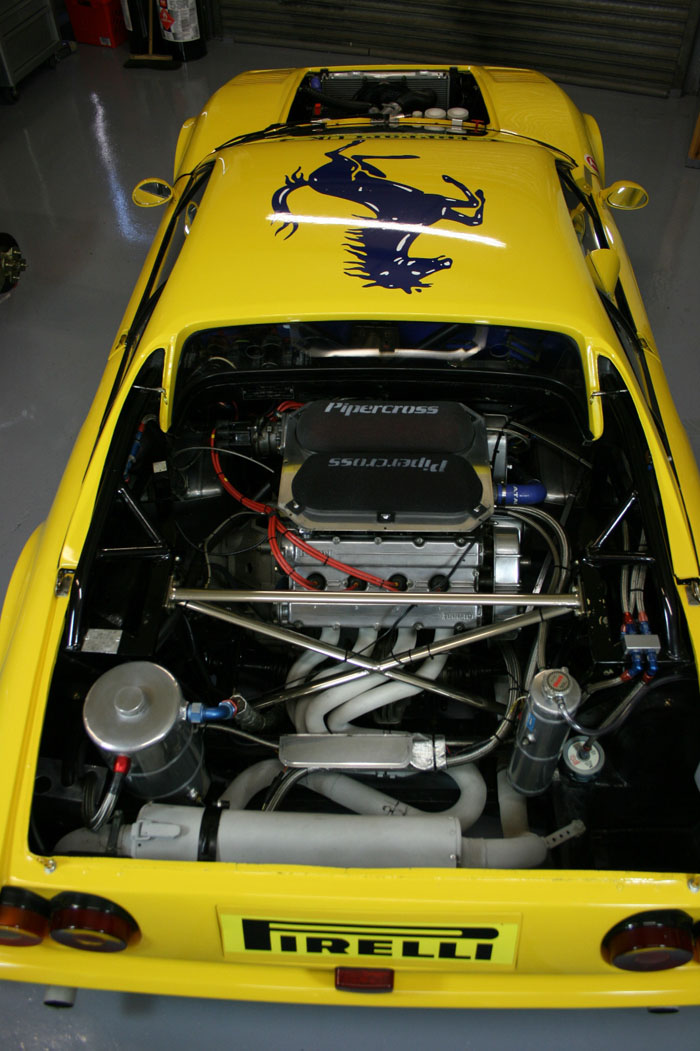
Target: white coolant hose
[
  {"x": 524, "y": 852},
  {"x": 359, "y": 797},
  {"x": 83, "y": 841},
  {"x": 364, "y": 799},
  {"x": 310, "y": 712},
  {"x": 305, "y": 664},
  {"x": 512, "y": 807},
  {"x": 309, "y": 659},
  {"x": 318, "y": 707},
  {"x": 340, "y": 719},
  {"x": 251, "y": 781},
  {"x": 254, "y": 779},
  {"x": 519, "y": 849}
]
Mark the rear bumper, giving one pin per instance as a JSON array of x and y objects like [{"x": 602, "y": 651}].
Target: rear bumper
[{"x": 186, "y": 948}]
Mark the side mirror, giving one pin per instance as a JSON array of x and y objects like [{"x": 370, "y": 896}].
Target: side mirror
[
  {"x": 149, "y": 193},
  {"x": 190, "y": 214},
  {"x": 626, "y": 195},
  {"x": 604, "y": 267}
]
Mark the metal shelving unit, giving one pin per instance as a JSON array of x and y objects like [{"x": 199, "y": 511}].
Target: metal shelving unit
[{"x": 28, "y": 37}]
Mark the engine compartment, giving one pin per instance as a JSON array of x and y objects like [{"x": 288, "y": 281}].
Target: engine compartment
[
  {"x": 434, "y": 93},
  {"x": 406, "y": 588}
]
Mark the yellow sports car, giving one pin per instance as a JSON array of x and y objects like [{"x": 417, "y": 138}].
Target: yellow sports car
[{"x": 357, "y": 654}]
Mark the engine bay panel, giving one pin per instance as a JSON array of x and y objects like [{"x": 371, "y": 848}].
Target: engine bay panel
[{"x": 507, "y": 623}]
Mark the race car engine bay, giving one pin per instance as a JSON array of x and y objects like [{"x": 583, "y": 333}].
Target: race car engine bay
[{"x": 412, "y": 590}]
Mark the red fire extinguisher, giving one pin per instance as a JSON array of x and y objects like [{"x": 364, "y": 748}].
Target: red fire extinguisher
[{"x": 180, "y": 26}]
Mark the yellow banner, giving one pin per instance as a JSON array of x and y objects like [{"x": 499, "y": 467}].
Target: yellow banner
[{"x": 479, "y": 944}]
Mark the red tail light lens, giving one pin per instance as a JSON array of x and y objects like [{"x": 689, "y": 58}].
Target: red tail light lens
[
  {"x": 364, "y": 979},
  {"x": 84, "y": 921},
  {"x": 24, "y": 917},
  {"x": 650, "y": 941}
]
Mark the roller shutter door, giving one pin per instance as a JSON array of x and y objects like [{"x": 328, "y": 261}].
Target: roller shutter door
[{"x": 624, "y": 44}]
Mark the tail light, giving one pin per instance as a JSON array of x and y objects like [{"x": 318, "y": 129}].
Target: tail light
[
  {"x": 24, "y": 917},
  {"x": 84, "y": 921},
  {"x": 650, "y": 941}
]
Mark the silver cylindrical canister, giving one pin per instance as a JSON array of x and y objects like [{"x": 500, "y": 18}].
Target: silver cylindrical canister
[
  {"x": 542, "y": 731},
  {"x": 138, "y": 710}
]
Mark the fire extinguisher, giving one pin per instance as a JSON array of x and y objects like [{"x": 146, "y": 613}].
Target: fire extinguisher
[{"x": 181, "y": 26}]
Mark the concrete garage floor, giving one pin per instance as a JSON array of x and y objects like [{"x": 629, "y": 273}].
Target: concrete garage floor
[{"x": 72, "y": 148}]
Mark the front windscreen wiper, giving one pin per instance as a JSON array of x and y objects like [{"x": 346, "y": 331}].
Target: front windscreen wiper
[
  {"x": 272, "y": 131},
  {"x": 571, "y": 161}
]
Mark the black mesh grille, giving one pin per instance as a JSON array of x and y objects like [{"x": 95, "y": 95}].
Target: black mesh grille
[
  {"x": 384, "y": 483},
  {"x": 408, "y": 427}
]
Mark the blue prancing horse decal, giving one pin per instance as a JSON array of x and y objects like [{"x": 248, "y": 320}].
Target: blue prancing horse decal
[{"x": 380, "y": 252}]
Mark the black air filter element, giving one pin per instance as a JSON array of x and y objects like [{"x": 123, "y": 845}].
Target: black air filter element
[
  {"x": 400, "y": 427},
  {"x": 387, "y": 484}
]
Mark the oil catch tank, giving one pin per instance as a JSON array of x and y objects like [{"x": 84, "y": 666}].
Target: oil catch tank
[
  {"x": 543, "y": 730},
  {"x": 137, "y": 710}
]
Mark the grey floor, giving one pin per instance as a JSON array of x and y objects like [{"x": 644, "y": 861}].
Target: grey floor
[{"x": 71, "y": 149}]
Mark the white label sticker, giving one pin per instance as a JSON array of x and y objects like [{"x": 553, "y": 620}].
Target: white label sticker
[
  {"x": 101, "y": 640},
  {"x": 178, "y": 20}
]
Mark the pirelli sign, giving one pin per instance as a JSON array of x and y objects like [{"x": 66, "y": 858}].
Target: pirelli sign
[{"x": 477, "y": 945}]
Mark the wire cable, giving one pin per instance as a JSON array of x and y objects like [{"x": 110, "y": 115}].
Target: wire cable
[
  {"x": 614, "y": 721},
  {"x": 276, "y": 526}
]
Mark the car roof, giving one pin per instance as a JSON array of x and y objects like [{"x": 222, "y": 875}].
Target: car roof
[{"x": 381, "y": 226}]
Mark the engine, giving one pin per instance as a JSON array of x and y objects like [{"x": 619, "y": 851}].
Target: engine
[
  {"x": 398, "y": 489},
  {"x": 434, "y": 93}
]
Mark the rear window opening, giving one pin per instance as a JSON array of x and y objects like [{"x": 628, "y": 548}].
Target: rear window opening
[{"x": 362, "y": 93}]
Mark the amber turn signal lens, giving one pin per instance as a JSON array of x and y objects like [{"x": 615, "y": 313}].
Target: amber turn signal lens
[
  {"x": 364, "y": 979},
  {"x": 650, "y": 941},
  {"x": 84, "y": 921},
  {"x": 24, "y": 917}
]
